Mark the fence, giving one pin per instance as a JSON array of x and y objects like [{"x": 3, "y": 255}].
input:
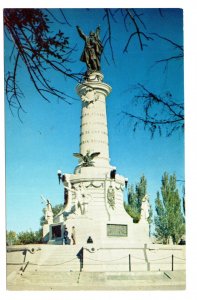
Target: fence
[{"x": 84, "y": 261}]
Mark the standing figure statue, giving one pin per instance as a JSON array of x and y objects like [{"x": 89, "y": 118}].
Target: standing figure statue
[
  {"x": 67, "y": 194},
  {"x": 82, "y": 199},
  {"x": 48, "y": 210},
  {"x": 145, "y": 207},
  {"x": 92, "y": 50}
]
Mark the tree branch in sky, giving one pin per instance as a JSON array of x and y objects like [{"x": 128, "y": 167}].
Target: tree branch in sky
[
  {"x": 156, "y": 113},
  {"x": 37, "y": 50}
]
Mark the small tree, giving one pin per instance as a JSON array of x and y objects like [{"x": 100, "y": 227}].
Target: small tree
[
  {"x": 26, "y": 237},
  {"x": 169, "y": 222},
  {"x": 150, "y": 219},
  {"x": 42, "y": 219},
  {"x": 11, "y": 238},
  {"x": 135, "y": 197},
  {"x": 38, "y": 236},
  {"x": 29, "y": 237}
]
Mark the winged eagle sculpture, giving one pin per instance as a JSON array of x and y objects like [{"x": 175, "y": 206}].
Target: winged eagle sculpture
[{"x": 87, "y": 159}]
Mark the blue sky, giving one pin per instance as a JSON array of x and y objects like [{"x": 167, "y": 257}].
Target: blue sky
[{"x": 49, "y": 134}]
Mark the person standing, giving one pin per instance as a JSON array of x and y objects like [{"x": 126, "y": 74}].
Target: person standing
[
  {"x": 73, "y": 235},
  {"x": 66, "y": 238}
]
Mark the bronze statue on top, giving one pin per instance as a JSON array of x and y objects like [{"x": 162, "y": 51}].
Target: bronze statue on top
[{"x": 92, "y": 50}]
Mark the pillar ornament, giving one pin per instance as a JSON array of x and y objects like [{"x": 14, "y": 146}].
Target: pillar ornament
[
  {"x": 92, "y": 184},
  {"x": 121, "y": 187},
  {"x": 89, "y": 96}
]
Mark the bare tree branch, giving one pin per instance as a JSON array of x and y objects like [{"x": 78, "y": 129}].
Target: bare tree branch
[
  {"x": 138, "y": 33},
  {"x": 157, "y": 114},
  {"x": 109, "y": 38},
  {"x": 138, "y": 17},
  {"x": 176, "y": 57},
  {"x": 137, "y": 30},
  {"x": 56, "y": 19},
  {"x": 66, "y": 20},
  {"x": 180, "y": 47},
  {"x": 160, "y": 12},
  {"x": 38, "y": 50}
]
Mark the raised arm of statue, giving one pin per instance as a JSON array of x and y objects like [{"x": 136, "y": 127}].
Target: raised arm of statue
[
  {"x": 46, "y": 201},
  {"x": 82, "y": 35},
  {"x": 98, "y": 29}
]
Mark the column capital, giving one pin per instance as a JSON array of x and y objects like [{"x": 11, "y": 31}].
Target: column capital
[{"x": 93, "y": 82}]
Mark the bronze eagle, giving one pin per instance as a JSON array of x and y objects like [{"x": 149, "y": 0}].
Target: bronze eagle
[{"x": 87, "y": 159}]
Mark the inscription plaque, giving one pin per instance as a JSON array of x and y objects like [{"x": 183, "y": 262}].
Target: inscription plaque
[{"x": 118, "y": 230}]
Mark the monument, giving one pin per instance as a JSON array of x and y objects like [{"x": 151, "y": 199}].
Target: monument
[
  {"x": 95, "y": 244},
  {"x": 93, "y": 194}
]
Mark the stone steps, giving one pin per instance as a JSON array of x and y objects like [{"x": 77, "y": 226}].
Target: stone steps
[
  {"x": 63, "y": 258},
  {"x": 57, "y": 267},
  {"x": 43, "y": 277},
  {"x": 49, "y": 258},
  {"x": 43, "y": 280}
]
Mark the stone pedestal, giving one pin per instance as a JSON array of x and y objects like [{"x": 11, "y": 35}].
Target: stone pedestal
[{"x": 45, "y": 232}]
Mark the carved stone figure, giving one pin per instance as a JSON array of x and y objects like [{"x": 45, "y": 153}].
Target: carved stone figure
[
  {"x": 48, "y": 211},
  {"x": 67, "y": 186},
  {"x": 82, "y": 199},
  {"x": 145, "y": 207},
  {"x": 111, "y": 196},
  {"x": 93, "y": 48}
]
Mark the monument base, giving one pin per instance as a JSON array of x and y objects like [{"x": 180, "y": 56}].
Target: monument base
[{"x": 100, "y": 213}]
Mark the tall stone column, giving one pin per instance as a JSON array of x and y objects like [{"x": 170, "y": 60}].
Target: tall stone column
[{"x": 94, "y": 131}]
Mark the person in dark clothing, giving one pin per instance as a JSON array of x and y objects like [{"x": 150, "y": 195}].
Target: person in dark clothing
[{"x": 66, "y": 238}]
